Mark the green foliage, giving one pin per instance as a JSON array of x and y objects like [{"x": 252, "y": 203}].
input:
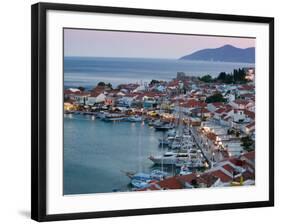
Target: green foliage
[
  {"x": 206, "y": 78},
  {"x": 81, "y": 88},
  {"x": 108, "y": 85},
  {"x": 238, "y": 76},
  {"x": 101, "y": 84},
  {"x": 153, "y": 82},
  {"x": 217, "y": 97},
  {"x": 247, "y": 143},
  {"x": 225, "y": 78}
]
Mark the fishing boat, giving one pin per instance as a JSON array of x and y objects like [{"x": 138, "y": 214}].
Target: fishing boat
[
  {"x": 165, "y": 141},
  {"x": 139, "y": 183},
  {"x": 101, "y": 114},
  {"x": 135, "y": 118},
  {"x": 164, "y": 127},
  {"x": 139, "y": 180},
  {"x": 158, "y": 174},
  {"x": 171, "y": 133},
  {"x": 196, "y": 160},
  {"x": 180, "y": 142},
  {"x": 170, "y": 158},
  {"x": 114, "y": 117},
  {"x": 185, "y": 170}
]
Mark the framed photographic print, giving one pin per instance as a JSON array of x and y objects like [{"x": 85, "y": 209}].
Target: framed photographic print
[{"x": 139, "y": 111}]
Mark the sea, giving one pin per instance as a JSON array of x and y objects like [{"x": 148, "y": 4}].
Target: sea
[
  {"x": 88, "y": 71},
  {"x": 97, "y": 154}
]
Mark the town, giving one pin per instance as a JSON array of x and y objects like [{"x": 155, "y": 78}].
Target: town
[{"x": 208, "y": 125}]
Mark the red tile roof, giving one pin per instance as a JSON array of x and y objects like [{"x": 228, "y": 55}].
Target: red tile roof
[
  {"x": 217, "y": 104},
  {"x": 236, "y": 161},
  {"x": 67, "y": 91},
  {"x": 251, "y": 125},
  {"x": 192, "y": 103},
  {"x": 241, "y": 102},
  {"x": 95, "y": 93},
  {"x": 250, "y": 114},
  {"x": 229, "y": 168},
  {"x": 246, "y": 87},
  {"x": 220, "y": 111},
  {"x": 170, "y": 183},
  {"x": 220, "y": 174},
  {"x": 250, "y": 155}
]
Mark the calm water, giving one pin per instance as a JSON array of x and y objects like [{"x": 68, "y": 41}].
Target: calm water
[
  {"x": 96, "y": 153},
  {"x": 79, "y": 71}
]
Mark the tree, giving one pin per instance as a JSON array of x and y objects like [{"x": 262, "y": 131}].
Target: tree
[
  {"x": 109, "y": 85},
  {"x": 247, "y": 143},
  {"x": 222, "y": 76},
  {"x": 206, "y": 78},
  {"x": 81, "y": 88},
  {"x": 153, "y": 82},
  {"x": 217, "y": 97},
  {"x": 101, "y": 84},
  {"x": 239, "y": 75}
]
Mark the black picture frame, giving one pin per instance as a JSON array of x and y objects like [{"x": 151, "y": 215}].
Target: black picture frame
[{"x": 39, "y": 108}]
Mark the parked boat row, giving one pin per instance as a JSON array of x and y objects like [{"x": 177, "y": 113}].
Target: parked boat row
[
  {"x": 106, "y": 116},
  {"x": 142, "y": 180}
]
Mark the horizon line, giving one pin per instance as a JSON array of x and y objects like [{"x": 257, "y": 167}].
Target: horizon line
[{"x": 172, "y": 58}]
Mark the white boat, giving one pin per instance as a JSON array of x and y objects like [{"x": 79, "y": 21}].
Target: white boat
[
  {"x": 164, "y": 127},
  {"x": 166, "y": 141},
  {"x": 185, "y": 170},
  {"x": 171, "y": 133},
  {"x": 140, "y": 180},
  {"x": 158, "y": 174},
  {"x": 114, "y": 117},
  {"x": 140, "y": 176},
  {"x": 195, "y": 161},
  {"x": 139, "y": 183},
  {"x": 170, "y": 158},
  {"x": 135, "y": 118},
  {"x": 102, "y": 114}
]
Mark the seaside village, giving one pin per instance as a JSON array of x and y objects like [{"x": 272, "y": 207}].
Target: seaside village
[{"x": 208, "y": 127}]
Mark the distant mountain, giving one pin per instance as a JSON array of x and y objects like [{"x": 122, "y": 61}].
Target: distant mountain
[{"x": 226, "y": 53}]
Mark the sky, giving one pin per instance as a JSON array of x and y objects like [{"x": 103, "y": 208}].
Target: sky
[{"x": 98, "y": 43}]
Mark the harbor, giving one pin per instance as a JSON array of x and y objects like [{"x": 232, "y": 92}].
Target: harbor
[
  {"x": 142, "y": 156},
  {"x": 109, "y": 151},
  {"x": 140, "y": 137}
]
